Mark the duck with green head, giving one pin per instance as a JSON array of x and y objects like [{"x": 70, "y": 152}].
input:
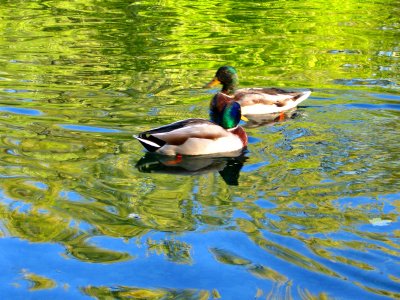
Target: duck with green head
[
  {"x": 221, "y": 136},
  {"x": 256, "y": 101}
]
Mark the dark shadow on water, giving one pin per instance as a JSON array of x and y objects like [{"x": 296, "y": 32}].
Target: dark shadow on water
[{"x": 228, "y": 167}]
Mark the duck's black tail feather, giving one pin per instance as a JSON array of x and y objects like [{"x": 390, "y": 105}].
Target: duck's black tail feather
[{"x": 150, "y": 142}]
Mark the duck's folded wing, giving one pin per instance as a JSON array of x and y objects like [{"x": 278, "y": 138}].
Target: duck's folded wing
[
  {"x": 179, "y": 132},
  {"x": 269, "y": 96},
  {"x": 177, "y": 125}
]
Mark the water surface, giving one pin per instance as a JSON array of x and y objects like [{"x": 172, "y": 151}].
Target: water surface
[{"x": 311, "y": 209}]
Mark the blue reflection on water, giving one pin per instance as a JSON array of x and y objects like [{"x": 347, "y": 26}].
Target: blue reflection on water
[
  {"x": 254, "y": 167},
  {"x": 386, "y": 96},
  {"x": 21, "y": 111},
  {"x": 375, "y": 106},
  {"x": 72, "y": 196},
  {"x": 89, "y": 128}
]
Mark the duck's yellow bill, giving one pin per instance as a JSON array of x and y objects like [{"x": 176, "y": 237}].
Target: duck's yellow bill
[
  {"x": 213, "y": 82},
  {"x": 243, "y": 118}
]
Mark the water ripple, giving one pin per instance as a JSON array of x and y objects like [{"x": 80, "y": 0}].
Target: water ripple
[{"x": 366, "y": 82}]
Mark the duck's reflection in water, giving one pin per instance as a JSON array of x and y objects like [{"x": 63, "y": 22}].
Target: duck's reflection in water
[
  {"x": 228, "y": 166},
  {"x": 270, "y": 119}
]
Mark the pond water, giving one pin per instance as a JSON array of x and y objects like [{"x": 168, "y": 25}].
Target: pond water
[{"x": 309, "y": 211}]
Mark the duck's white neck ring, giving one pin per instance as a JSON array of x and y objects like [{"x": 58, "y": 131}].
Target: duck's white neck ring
[
  {"x": 232, "y": 129},
  {"x": 227, "y": 95}
]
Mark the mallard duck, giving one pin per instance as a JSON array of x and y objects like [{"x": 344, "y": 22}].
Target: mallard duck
[
  {"x": 199, "y": 136},
  {"x": 256, "y": 101}
]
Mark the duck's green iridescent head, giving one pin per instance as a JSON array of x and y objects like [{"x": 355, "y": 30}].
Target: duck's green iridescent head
[
  {"x": 228, "y": 77},
  {"x": 224, "y": 111},
  {"x": 231, "y": 115}
]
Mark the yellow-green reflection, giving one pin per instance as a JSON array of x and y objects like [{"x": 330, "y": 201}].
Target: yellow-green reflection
[
  {"x": 38, "y": 282},
  {"x": 141, "y": 293}
]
